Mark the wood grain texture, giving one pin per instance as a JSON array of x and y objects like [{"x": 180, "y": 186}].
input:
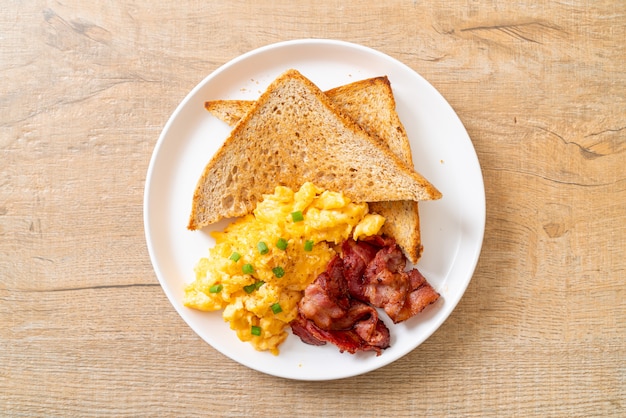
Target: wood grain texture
[{"x": 86, "y": 89}]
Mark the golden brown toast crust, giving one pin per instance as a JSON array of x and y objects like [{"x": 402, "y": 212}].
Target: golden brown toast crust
[{"x": 229, "y": 111}]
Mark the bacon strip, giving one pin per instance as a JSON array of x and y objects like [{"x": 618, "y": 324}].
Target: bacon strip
[
  {"x": 327, "y": 313},
  {"x": 339, "y": 306},
  {"x": 383, "y": 282},
  {"x": 421, "y": 295},
  {"x": 346, "y": 340}
]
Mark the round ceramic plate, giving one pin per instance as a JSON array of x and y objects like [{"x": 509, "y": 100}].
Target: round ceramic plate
[{"x": 452, "y": 228}]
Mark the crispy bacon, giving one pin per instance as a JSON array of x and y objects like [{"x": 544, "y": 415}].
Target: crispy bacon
[
  {"x": 346, "y": 340},
  {"x": 326, "y": 301},
  {"x": 339, "y": 306},
  {"x": 384, "y": 283},
  {"x": 421, "y": 295},
  {"x": 356, "y": 257},
  {"x": 327, "y": 313}
]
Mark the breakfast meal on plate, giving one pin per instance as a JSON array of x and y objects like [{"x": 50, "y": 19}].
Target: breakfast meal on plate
[{"x": 326, "y": 195}]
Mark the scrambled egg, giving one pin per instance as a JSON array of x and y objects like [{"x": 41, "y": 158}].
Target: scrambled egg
[{"x": 261, "y": 263}]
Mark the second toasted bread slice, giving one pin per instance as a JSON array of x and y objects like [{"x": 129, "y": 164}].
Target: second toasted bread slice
[
  {"x": 294, "y": 134},
  {"x": 371, "y": 104}
]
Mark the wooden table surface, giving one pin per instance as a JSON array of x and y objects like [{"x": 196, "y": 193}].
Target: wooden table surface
[{"x": 85, "y": 328}]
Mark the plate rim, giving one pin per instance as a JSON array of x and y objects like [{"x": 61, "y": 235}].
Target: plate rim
[{"x": 224, "y": 68}]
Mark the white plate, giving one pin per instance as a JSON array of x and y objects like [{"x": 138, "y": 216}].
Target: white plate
[{"x": 452, "y": 228}]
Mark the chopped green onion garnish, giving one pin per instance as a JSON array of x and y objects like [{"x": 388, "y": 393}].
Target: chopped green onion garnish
[
  {"x": 254, "y": 330},
  {"x": 247, "y": 269},
  {"x": 282, "y": 244},
  {"x": 216, "y": 288},
  {"x": 262, "y": 247},
  {"x": 254, "y": 286},
  {"x": 278, "y": 271},
  {"x": 297, "y": 216},
  {"x": 276, "y": 308},
  {"x": 235, "y": 256},
  {"x": 308, "y": 245}
]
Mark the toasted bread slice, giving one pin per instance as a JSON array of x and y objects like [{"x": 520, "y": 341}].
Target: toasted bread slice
[
  {"x": 229, "y": 111},
  {"x": 371, "y": 104},
  {"x": 293, "y": 134}
]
